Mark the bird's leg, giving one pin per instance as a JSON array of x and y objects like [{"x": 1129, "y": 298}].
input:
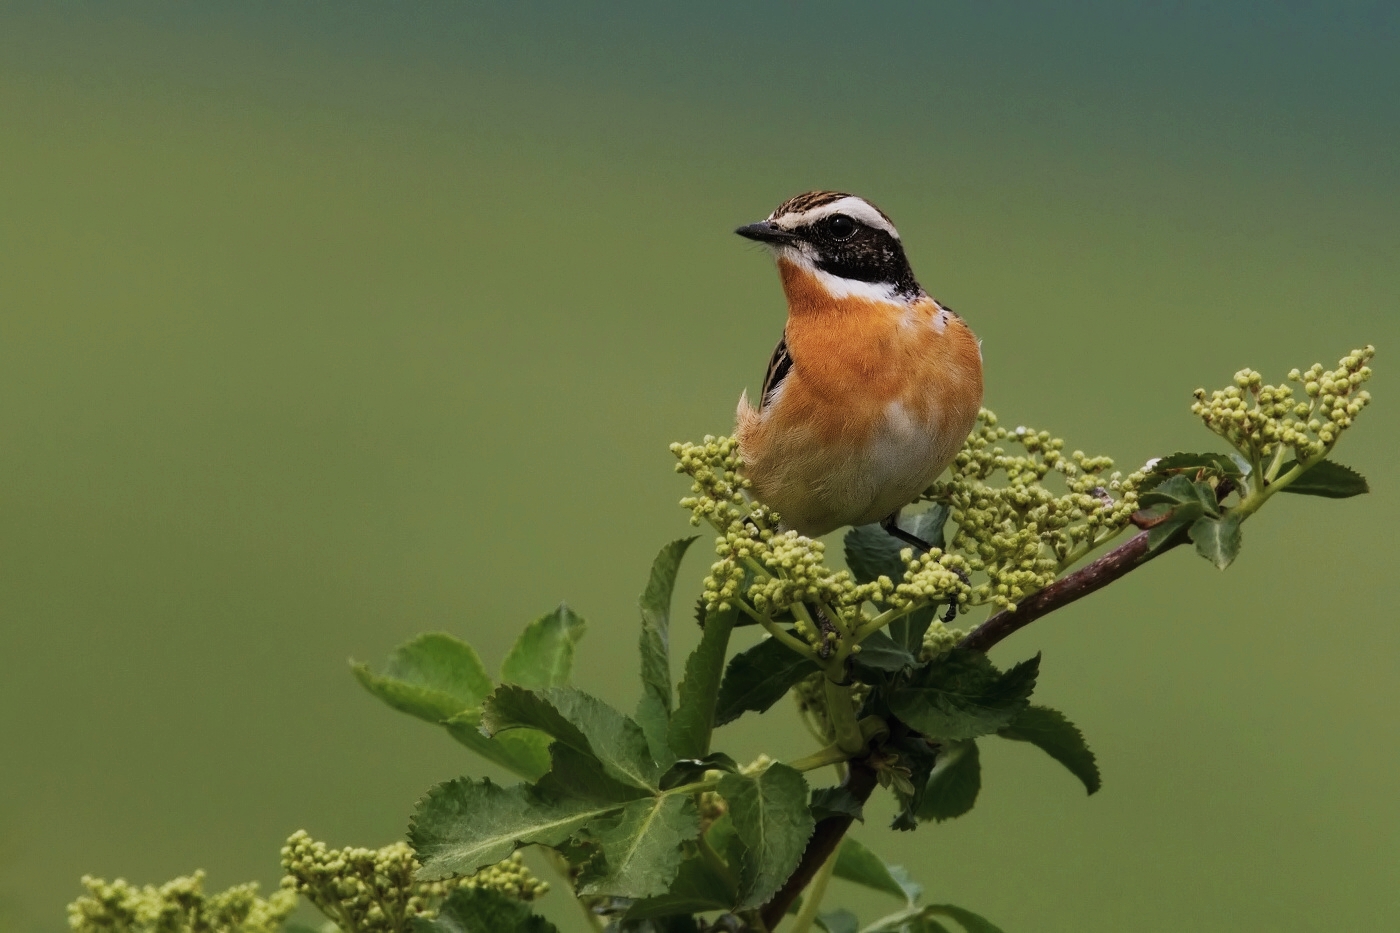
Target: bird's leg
[{"x": 891, "y": 525}]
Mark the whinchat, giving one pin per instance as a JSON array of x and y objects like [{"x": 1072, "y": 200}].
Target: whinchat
[{"x": 874, "y": 385}]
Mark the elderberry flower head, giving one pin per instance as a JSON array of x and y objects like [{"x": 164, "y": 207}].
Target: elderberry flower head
[
  {"x": 1259, "y": 419},
  {"x": 374, "y": 890},
  {"x": 178, "y": 906}
]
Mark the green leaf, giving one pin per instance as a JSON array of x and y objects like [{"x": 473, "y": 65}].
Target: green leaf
[
  {"x": 544, "y": 652},
  {"x": 854, "y": 862},
  {"x": 838, "y": 921},
  {"x": 836, "y": 801},
  {"x": 464, "y": 825},
  {"x": 872, "y": 552},
  {"x": 1327, "y": 479},
  {"x": 955, "y": 782},
  {"x": 433, "y": 677},
  {"x": 694, "y": 718},
  {"x": 654, "y": 707},
  {"x": 916, "y": 757},
  {"x": 583, "y": 722},
  {"x": 1217, "y": 539},
  {"x": 1192, "y": 465},
  {"x": 1049, "y": 730},
  {"x": 972, "y": 923},
  {"x": 482, "y": 910},
  {"x": 574, "y": 773},
  {"x": 908, "y": 631},
  {"x": 962, "y": 695},
  {"x": 690, "y": 770},
  {"x": 1179, "y": 491},
  {"x": 698, "y": 887},
  {"x": 640, "y": 847},
  {"x": 879, "y": 652},
  {"x": 522, "y": 751},
  {"x": 759, "y": 677},
  {"x": 1181, "y": 517},
  {"x": 771, "y": 819}
]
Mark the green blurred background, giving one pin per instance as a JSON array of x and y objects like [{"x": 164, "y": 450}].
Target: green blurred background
[{"x": 325, "y": 324}]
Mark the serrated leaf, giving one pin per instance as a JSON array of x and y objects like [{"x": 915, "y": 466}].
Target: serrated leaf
[
  {"x": 655, "y": 606},
  {"x": 1219, "y": 463},
  {"x": 1180, "y": 491},
  {"x": 573, "y": 773},
  {"x": 464, "y": 825},
  {"x": 583, "y": 722},
  {"x": 879, "y": 652},
  {"x": 759, "y": 677},
  {"x": 1327, "y": 479},
  {"x": 962, "y": 696},
  {"x": 854, "y": 862},
  {"x": 836, "y": 801},
  {"x": 1217, "y": 539},
  {"x": 770, "y": 817},
  {"x": 544, "y": 653},
  {"x": 482, "y": 910},
  {"x": 908, "y": 631},
  {"x": 838, "y": 921},
  {"x": 698, "y": 887},
  {"x": 522, "y": 751},
  {"x": 955, "y": 782},
  {"x": 1051, "y": 732},
  {"x": 640, "y": 847},
  {"x": 694, "y": 718},
  {"x": 1181, "y": 518},
  {"x": 872, "y": 552},
  {"x": 654, "y": 645},
  {"x": 433, "y": 677},
  {"x": 689, "y": 770},
  {"x": 915, "y": 759}
]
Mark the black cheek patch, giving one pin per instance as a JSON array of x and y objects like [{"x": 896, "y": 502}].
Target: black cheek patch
[{"x": 869, "y": 256}]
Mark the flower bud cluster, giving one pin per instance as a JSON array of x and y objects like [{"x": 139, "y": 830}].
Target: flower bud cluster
[
  {"x": 932, "y": 576},
  {"x": 1259, "y": 419},
  {"x": 939, "y": 640},
  {"x": 178, "y": 906},
  {"x": 374, "y": 891},
  {"x": 769, "y": 571},
  {"x": 1022, "y": 534}
]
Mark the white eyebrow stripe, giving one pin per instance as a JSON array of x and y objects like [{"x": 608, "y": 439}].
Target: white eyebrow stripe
[{"x": 858, "y": 208}]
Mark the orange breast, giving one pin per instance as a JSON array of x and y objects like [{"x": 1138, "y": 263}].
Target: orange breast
[{"x": 855, "y": 356}]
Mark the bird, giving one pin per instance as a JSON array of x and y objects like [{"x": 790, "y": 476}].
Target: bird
[{"x": 874, "y": 386}]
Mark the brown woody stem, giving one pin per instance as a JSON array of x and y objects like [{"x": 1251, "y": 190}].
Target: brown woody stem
[
  {"x": 861, "y": 778},
  {"x": 860, "y": 781},
  {"x": 1128, "y": 556}
]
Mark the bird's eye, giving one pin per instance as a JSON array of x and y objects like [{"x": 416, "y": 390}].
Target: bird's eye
[{"x": 841, "y": 227}]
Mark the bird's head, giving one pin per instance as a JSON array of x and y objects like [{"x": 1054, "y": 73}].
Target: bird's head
[{"x": 846, "y": 241}]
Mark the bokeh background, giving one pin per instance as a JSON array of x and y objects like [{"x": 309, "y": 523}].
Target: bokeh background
[{"x": 323, "y": 324}]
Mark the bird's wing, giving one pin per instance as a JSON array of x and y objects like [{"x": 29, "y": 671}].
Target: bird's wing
[{"x": 779, "y": 365}]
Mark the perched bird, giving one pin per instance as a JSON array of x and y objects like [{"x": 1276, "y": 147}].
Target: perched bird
[{"x": 874, "y": 385}]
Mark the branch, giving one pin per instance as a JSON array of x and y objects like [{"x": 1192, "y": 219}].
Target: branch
[
  {"x": 860, "y": 782},
  {"x": 1116, "y": 563}
]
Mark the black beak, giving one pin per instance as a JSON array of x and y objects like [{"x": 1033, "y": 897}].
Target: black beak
[{"x": 765, "y": 231}]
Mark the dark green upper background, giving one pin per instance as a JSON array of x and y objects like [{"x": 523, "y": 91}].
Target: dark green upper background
[{"x": 325, "y": 324}]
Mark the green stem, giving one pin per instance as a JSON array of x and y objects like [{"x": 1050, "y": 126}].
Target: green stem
[
  {"x": 777, "y": 632},
  {"x": 815, "y": 892},
  {"x": 843, "y": 716}
]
